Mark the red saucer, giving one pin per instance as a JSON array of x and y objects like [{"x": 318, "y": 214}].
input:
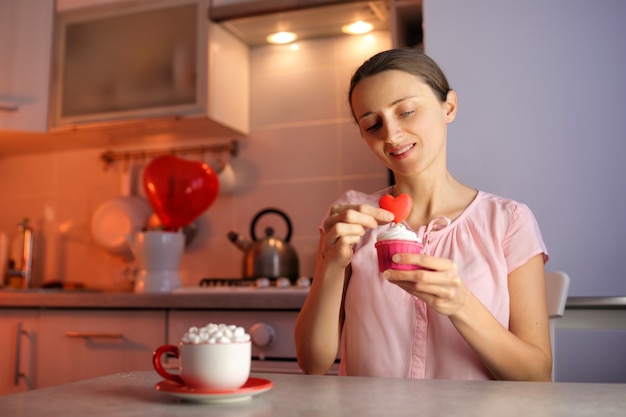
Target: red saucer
[{"x": 252, "y": 387}]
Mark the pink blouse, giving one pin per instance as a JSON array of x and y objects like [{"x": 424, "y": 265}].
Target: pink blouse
[{"x": 389, "y": 333}]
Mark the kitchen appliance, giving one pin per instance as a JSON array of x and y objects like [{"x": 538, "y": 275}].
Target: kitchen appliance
[
  {"x": 158, "y": 254},
  {"x": 270, "y": 322},
  {"x": 19, "y": 274},
  {"x": 269, "y": 257},
  {"x": 252, "y": 21}
]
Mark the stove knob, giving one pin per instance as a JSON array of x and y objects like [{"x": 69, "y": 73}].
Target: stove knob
[
  {"x": 262, "y": 335},
  {"x": 303, "y": 282},
  {"x": 262, "y": 282},
  {"x": 283, "y": 282}
]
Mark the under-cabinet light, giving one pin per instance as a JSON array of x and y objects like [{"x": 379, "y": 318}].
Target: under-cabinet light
[
  {"x": 357, "y": 28},
  {"x": 281, "y": 37}
]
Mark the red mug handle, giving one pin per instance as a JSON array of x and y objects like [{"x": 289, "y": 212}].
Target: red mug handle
[{"x": 158, "y": 365}]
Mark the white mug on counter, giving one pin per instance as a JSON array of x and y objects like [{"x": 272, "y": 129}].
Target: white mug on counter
[{"x": 216, "y": 357}]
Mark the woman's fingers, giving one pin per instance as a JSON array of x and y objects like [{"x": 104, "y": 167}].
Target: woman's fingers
[
  {"x": 345, "y": 226},
  {"x": 363, "y": 214},
  {"x": 437, "y": 282}
]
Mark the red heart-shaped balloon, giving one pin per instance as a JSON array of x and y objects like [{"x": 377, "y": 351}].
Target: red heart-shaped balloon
[
  {"x": 178, "y": 190},
  {"x": 400, "y": 206}
]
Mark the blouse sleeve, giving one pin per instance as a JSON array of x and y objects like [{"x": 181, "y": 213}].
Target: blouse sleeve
[{"x": 523, "y": 239}]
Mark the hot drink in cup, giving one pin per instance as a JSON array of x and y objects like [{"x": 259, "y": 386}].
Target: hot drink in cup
[{"x": 214, "y": 357}]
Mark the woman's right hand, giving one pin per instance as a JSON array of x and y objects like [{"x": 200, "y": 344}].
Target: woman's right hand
[
  {"x": 320, "y": 321},
  {"x": 345, "y": 226}
]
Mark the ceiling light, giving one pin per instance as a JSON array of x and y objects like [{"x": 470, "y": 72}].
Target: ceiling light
[
  {"x": 357, "y": 28},
  {"x": 282, "y": 37}
]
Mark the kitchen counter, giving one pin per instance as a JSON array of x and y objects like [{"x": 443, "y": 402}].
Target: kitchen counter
[
  {"x": 240, "y": 299},
  {"x": 196, "y": 298},
  {"x": 133, "y": 394},
  {"x": 596, "y": 302}
]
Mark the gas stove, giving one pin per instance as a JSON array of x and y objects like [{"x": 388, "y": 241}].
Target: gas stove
[
  {"x": 270, "y": 329},
  {"x": 279, "y": 285},
  {"x": 260, "y": 283}
]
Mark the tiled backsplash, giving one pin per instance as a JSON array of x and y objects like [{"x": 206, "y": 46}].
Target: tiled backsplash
[{"x": 303, "y": 151}]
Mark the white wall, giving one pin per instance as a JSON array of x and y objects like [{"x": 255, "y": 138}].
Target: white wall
[{"x": 541, "y": 119}]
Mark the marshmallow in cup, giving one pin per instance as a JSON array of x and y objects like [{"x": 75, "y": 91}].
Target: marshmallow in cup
[
  {"x": 215, "y": 357},
  {"x": 216, "y": 333}
]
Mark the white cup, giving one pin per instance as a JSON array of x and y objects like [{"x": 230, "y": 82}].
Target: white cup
[
  {"x": 209, "y": 366},
  {"x": 158, "y": 250},
  {"x": 227, "y": 178}
]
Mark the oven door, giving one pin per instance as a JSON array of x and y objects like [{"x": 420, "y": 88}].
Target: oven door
[{"x": 273, "y": 345}]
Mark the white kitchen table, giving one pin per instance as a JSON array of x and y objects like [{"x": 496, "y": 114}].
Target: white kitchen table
[{"x": 134, "y": 394}]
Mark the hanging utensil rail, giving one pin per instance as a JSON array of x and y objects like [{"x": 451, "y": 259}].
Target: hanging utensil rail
[{"x": 231, "y": 147}]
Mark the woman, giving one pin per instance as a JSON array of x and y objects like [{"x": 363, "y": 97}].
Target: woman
[{"x": 476, "y": 308}]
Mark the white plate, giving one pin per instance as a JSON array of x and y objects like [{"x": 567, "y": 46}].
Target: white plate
[{"x": 252, "y": 387}]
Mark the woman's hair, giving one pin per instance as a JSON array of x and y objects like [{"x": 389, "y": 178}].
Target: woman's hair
[{"x": 411, "y": 61}]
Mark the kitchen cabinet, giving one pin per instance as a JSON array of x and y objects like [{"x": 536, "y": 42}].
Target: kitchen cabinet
[
  {"x": 590, "y": 346},
  {"x": 18, "y": 330},
  {"x": 176, "y": 71},
  {"x": 51, "y": 347},
  {"x": 406, "y": 23},
  {"x": 71, "y": 335},
  {"x": 25, "y": 52},
  {"x": 65, "y": 5},
  {"x": 79, "y": 344}
]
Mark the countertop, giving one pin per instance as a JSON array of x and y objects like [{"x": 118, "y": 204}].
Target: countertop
[
  {"x": 595, "y": 302},
  {"x": 195, "y": 298},
  {"x": 134, "y": 394},
  {"x": 240, "y": 299}
]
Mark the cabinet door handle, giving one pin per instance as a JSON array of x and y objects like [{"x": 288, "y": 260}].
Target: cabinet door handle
[
  {"x": 18, "y": 350},
  {"x": 8, "y": 106},
  {"x": 94, "y": 335}
]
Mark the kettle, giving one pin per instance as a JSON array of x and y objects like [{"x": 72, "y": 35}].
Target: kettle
[{"x": 269, "y": 257}]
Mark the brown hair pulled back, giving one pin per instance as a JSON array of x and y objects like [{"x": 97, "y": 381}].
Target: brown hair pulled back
[{"x": 407, "y": 60}]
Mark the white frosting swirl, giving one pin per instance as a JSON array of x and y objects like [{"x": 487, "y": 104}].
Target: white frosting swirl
[{"x": 398, "y": 231}]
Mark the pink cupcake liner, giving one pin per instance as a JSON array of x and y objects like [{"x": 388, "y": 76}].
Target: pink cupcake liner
[{"x": 387, "y": 248}]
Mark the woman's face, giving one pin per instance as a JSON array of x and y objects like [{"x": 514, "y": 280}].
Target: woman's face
[{"x": 403, "y": 122}]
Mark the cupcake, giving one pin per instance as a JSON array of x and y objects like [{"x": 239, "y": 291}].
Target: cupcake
[{"x": 398, "y": 238}]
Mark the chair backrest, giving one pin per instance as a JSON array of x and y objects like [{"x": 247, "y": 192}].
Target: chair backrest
[{"x": 557, "y": 287}]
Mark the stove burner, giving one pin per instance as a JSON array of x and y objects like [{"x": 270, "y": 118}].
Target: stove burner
[{"x": 302, "y": 282}]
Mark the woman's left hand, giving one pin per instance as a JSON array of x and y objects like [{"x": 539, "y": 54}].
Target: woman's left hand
[{"x": 436, "y": 282}]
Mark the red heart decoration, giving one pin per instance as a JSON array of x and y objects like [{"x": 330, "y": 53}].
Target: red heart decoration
[
  {"x": 400, "y": 206},
  {"x": 178, "y": 190}
]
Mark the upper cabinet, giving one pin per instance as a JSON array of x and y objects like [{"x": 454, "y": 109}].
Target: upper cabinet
[
  {"x": 406, "y": 23},
  {"x": 25, "y": 46},
  {"x": 150, "y": 64}
]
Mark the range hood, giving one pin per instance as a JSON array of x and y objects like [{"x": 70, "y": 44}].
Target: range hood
[{"x": 252, "y": 21}]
